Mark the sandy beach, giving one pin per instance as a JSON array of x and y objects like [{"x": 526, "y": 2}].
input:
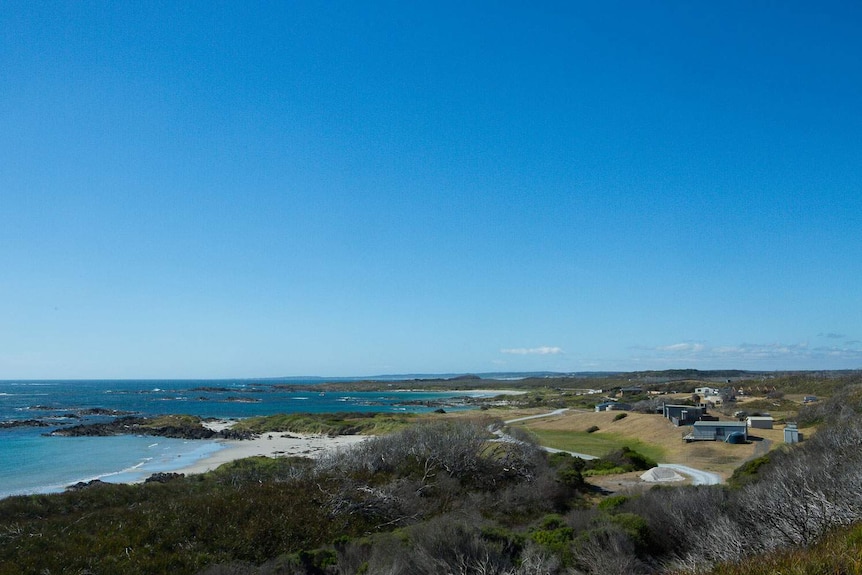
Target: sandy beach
[
  {"x": 283, "y": 444},
  {"x": 278, "y": 444}
]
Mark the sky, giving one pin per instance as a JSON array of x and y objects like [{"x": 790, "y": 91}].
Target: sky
[{"x": 263, "y": 189}]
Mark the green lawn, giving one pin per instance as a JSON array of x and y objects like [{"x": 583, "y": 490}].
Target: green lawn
[{"x": 598, "y": 444}]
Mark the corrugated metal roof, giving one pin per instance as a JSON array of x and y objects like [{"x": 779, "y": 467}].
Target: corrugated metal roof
[{"x": 720, "y": 423}]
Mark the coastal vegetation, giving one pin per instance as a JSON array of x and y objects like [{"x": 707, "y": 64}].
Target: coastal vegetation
[
  {"x": 291, "y": 514},
  {"x": 367, "y": 423},
  {"x": 438, "y": 493}
]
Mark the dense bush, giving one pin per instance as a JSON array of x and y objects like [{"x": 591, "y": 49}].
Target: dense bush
[
  {"x": 442, "y": 497},
  {"x": 798, "y": 496},
  {"x": 846, "y": 402},
  {"x": 622, "y": 460},
  {"x": 297, "y": 516},
  {"x": 326, "y": 424}
]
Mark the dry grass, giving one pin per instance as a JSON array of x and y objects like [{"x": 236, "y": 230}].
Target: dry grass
[
  {"x": 711, "y": 456},
  {"x": 650, "y": 429}
]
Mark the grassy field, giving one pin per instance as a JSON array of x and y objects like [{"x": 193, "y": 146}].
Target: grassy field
[
  {"x": 652, "y": 435},
  {"x": 597, "y": 444},
  {"x": 649, "y": 434}
]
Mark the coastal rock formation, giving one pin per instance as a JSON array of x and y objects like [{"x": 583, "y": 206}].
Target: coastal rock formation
[
  {"x": 179, "y": 427},
  {"x": 23, "y": 423},
  {"x": 163, "y": 477},
  {"x": 86, "y": 485}
]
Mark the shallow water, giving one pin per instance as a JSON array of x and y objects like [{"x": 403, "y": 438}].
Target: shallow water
[{"x": 31, "y": 462}]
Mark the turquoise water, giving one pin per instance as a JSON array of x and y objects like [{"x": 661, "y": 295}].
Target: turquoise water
[{"x": 32, "y": 462}]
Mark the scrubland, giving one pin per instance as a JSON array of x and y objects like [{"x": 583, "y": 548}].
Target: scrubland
[{"x": 439, "y": 495}]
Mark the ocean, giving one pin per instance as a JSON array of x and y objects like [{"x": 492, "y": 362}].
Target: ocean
[{"x": 32, "y": 461}]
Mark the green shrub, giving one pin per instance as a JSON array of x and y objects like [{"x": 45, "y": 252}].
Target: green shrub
[
  {"x": 508, "y": 541},
  {"x": 569, "y": 469},
  {"x": 748, "y": 471},
  {"x": 592, "y": 429},
  {"x": 612, "y": 503},
  {"x": 605, "y": 471},
  {"x": 555, "y": 536},
  {"x": 552, "y": 521},
  {"x": 622, "y": 460},
  {"x": 634, "y": 526}
]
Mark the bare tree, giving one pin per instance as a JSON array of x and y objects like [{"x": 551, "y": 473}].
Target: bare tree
[{"x": 609, "y": 551}]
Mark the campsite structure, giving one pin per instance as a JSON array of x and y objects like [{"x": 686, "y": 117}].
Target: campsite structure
[{"x": 727, "y": 431}]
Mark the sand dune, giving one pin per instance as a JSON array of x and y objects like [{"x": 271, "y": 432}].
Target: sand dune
[{"x": 271, "y": 445}]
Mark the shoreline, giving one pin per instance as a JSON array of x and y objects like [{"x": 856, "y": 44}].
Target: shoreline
[
  {"x": 134, "y": 458},
  {"x": 287, "y": 444},
  {"x": 274, "y": 445}
]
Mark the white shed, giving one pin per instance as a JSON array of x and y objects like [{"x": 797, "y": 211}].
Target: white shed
[{"x": 759, "y": 422}]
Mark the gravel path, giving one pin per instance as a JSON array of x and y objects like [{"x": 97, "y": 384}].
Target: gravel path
[{"x": 698, "y": 477}]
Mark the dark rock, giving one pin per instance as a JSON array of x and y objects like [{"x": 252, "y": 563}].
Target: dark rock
[
  {"x": 23, "y": 423},
  {"x": 137, "y": 426},
  {"x": 163, "y": 477},
  {"x": 237, "y": 399},
  {"x": 131, "y": 425},
  {"x": 103, "y": 411},
  {"x": 86, "y": 485},
  {"x": 236, "y": 434}
]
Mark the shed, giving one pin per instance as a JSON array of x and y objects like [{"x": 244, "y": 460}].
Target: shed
[
  {"x": 792, "y": 433},
  {"x": 619, "y": 406},
  {"x": 716, "y": 430},
  {"x": 759, "y": 422},
  {"x": 605, "y": 406}
]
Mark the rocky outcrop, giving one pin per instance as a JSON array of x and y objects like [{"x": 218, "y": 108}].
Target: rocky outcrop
[
  {"x": 23, "y": 423},
  {"x": 86, "y": 485},
  {"x": 179, "y": 428},
  {"x": 163, "y": 477},
  {"x": 103, "y": 411}
]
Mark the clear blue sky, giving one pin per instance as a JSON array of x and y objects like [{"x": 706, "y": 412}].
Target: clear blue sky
[{"x": 240, "y": 189}]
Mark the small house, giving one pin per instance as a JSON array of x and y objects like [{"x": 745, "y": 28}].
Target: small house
[
  {"x": 759, "y": 422},
  {"x": 718, "y": 431},
  {"x": 683, "y": 414},
  {"x": 605, "y": 406}
]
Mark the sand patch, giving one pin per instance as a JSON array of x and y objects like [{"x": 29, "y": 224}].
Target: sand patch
[{"x": 277, "y": 444}]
